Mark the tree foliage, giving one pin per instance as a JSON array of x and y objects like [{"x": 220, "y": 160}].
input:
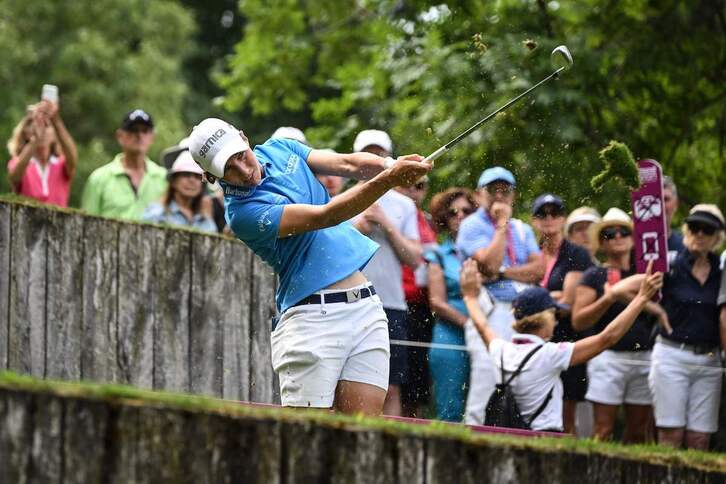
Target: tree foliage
[
  {"x": 649, "y": 73},
  {"x": 107, "y": 57}
]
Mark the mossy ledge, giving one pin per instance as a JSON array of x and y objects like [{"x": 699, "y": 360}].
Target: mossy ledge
[{"x": 120, "y": 430}]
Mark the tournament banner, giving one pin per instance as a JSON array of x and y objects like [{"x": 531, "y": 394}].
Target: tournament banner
[{"x": 650, "y": 234}]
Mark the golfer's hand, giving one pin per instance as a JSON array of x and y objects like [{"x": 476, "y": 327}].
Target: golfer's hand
[
  {"x": 501, "y": 212},
  {"x": 408, "y": 169},
  {"x": 470, "y": 279}
]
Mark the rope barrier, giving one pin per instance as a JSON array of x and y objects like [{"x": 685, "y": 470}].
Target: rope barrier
[{"x": 442, "y": 346}]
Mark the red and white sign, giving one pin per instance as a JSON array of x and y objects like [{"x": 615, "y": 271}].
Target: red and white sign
[{"x": 651, "y": 234}]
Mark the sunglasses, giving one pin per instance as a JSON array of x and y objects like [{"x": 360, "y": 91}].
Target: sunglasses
[
  {"x": 503, "y": 189},
  {"x": 609, "y": 233},
  {"x": 455, "y": 211},
  {"x": 552, "y": 212},
  {"x": 695, "y": 227},
  {"x": 421, "y": 186}
]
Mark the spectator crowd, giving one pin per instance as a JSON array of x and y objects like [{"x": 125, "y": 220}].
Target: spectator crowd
[{"x": 474, "y": 296}]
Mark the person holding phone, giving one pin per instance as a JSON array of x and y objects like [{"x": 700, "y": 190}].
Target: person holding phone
[{"x": 43, "y": 154}]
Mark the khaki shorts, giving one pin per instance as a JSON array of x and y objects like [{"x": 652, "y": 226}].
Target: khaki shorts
[{"x": 316, "y": 345}]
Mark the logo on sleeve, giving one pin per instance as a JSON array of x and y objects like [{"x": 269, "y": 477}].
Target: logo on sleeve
[{"x": 264, "y": 221}]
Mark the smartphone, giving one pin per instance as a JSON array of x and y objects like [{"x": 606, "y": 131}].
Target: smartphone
[
  {"x": 49, "y": 93},
  {"x": 613, "y": 275}
]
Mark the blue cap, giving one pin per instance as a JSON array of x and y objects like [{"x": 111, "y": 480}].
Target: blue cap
[
  {"x": 547, "y": 199},
  {"x": 533, "y": 300},
  {"x": 496, "y": 173}
]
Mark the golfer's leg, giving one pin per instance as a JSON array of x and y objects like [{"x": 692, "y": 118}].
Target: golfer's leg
[
  {"x": 364, "y": 378},
  {"x": 354, "y": 397}
]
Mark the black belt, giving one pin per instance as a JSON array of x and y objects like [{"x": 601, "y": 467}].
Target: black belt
[
  {"x": 349, "y": 296},
  {"x": 695, "y": 349}
]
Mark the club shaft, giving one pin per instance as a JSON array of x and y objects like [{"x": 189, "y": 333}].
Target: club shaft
[{"x": 489, "y": 116}]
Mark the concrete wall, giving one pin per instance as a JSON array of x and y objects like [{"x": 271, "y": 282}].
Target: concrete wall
[
  {"x": 87, "y": 298},
  {"x": 62, "y": 437}
]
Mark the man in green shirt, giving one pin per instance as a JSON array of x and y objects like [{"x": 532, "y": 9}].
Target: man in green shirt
[{"x": 124, "y": 187}]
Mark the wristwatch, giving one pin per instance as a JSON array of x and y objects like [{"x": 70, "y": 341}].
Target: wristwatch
[{"x": 502, "y": 268}]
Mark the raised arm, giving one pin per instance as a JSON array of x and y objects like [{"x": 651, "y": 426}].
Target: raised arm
[
  {"x": 17, "y": 170},
  {"x": 490, "y": 258},
  {"x": 300, "y": 218},
  {"x": 470, "y": 287},
  {"x": 589, "y": 347},
  {"x": 68, "y": 146},
  {"x": 359, "y": 166}
]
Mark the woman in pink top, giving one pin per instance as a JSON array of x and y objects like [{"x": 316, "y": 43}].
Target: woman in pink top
[{"x": 43, "y": 156}]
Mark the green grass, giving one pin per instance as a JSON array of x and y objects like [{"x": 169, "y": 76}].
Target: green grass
[{"x": 121, "y": 394}]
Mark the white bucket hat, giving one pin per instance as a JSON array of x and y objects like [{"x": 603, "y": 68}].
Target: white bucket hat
[
  {"x": 184, "y": 163},
  {"x": 290, "y": 133},
  {"x": 373, "y": 137},
  {"x": 213, "y": 142},
  {"x": 582, "y": 214}
]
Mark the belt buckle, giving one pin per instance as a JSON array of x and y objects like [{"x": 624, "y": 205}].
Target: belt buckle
[{"x": 353, "y": 295}]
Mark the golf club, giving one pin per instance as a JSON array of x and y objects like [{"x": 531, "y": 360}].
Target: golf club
[{"x": 561, "y": 61}]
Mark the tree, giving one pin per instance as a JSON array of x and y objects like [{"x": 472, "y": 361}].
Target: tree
[
  {"x": 650, "y": 74},
  {"x": 107, "y": 57}
]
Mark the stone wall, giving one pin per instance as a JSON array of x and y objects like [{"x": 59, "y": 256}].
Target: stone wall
[
  {"x": 65, "y": 437},
  {"x": 94, "y": 299}
]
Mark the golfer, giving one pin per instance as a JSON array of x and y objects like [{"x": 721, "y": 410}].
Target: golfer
[{"x": 330, "y": 347}]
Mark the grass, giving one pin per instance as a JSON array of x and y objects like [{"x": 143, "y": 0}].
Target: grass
[{"x": 126, "y": 395}]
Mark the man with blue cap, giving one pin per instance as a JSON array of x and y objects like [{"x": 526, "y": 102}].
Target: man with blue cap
[
  {"x": 509, "y": 258},
  {"x": 330, "y": 347}
]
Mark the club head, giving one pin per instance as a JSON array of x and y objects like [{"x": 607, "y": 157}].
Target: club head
[{"x": 561, "y": 58}]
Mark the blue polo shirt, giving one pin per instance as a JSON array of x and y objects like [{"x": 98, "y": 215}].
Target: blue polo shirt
[
  {"x": 477, "y": 231},
  {"x": 307, "y": 262},
  {"x": 692, "y": 309}
]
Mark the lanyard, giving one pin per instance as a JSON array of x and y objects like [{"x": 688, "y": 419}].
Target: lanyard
[
  {"x": 510, "y": 240},
  {"x": 550, "y": 265}
]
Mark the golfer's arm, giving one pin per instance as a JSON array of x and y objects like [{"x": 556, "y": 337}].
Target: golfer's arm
[
  {"x": 480, "y": 320},
  {"x": 722, "y": 326},
  {"x": 589, "y": 347},
  {"x": 531, "y": 272},
  {"x": 490, "y": 258},
  {"x": 359, "y": 166},
  {"x": 300, "y": 218},
  {"x": 588, "y": 308}
]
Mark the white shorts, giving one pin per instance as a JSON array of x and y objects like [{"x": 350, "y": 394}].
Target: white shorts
[
  {"x": 316, "y": 345},
  {"x": 686, "y": 388},
  {"x": 483, "y": 376},
  {"x": 617, "y": 377}
]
